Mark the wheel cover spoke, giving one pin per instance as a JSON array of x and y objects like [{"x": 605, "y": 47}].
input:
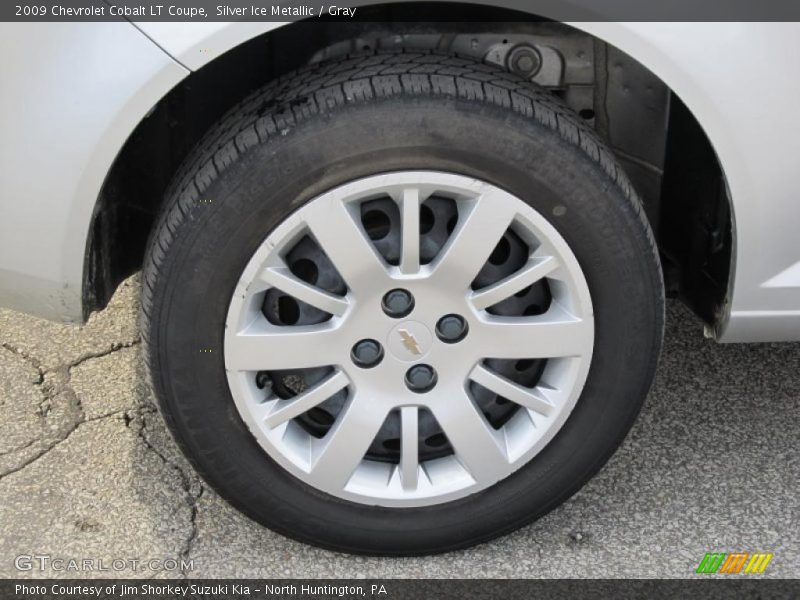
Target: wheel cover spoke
[
  {"x": 326, "y": 377},
  {"x": 473, "y": 242},
  {"x": 335, "y": 457},
  {"x": 529, "y": 398},
  {"x": 478, "y": 447},
  {"x": 551, "y": 335},
  {"x": 409, "y": 211},
  {"x": 409, "y": 450},
  {"x": 284, "y": 410},
  {"x": 282, "y": 348},
  {"x": 535, "y": 270},
  {"x": 346, "y": 244},
  {"x": 283, "y": 279}
]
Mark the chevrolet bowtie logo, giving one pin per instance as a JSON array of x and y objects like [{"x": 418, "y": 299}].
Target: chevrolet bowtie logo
[{"x": 409, "y": 341}]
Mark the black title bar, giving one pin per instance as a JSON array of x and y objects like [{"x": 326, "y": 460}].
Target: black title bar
[
  {"x": 399, "y": 589},
  {"x": 199, "y": 11}
]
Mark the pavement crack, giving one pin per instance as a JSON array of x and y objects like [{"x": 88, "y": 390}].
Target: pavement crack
[
  {"x": 30, "y": 359},
  {"x": 54, "y": 443},
  {"x": 65, "y": 383},
  {"x": 53, "y": 383},
  {"x": 115, "y": 347},
  {"x": 49, "y": 447},
  {"x": 192, "y": 487},
  {"x": 188, "y": 545},
  {"x": 20, "y": 448}
]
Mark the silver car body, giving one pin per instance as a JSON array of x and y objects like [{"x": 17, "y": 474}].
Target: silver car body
[{"x": 73, "y": 93}]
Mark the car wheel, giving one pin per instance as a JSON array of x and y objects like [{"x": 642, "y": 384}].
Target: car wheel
[{"x": 401, "y": 303}]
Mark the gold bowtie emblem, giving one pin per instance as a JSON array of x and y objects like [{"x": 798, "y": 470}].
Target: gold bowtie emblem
[{"x": 409, "y": 341}]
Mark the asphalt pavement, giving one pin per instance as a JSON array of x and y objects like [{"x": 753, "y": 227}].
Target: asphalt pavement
[{"x": 88, "y": 470}]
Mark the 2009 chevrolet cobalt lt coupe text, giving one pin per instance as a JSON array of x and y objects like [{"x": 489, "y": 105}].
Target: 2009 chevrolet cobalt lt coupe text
[{"x": 403, "y": 283}]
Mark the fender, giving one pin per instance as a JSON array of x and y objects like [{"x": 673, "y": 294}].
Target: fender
[{"x": 66, "y": 110}]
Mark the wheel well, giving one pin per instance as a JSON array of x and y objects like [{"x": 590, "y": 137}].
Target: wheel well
[{"x": 659, "y": 143}]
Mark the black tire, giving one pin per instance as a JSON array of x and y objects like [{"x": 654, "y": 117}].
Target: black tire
[{"x": 331, "y": 123}]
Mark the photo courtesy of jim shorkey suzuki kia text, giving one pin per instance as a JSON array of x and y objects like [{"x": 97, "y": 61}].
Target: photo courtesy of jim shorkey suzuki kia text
[
  {"x": 296, "y": 294},
  {"x": 187, "y": 590}
]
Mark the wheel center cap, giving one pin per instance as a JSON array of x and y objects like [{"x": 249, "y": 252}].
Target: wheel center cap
[{"x": 409, "y": 341}]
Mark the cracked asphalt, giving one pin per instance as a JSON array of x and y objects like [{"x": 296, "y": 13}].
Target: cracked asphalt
[{"x": 88, "y": 470}]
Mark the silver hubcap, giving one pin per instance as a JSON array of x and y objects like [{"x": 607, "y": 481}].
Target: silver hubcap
[{"x": 320, "y": 416}]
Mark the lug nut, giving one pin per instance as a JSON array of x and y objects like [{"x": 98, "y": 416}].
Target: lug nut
[
  {"x": 397, "y": 303},
  {"x": 451, "y": 329},
  {"x": 421, "y": 378},
  {"x": 367, "y": 353}
]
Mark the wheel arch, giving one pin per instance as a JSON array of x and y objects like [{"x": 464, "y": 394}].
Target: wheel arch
[{"x": 240, "y": 57}]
